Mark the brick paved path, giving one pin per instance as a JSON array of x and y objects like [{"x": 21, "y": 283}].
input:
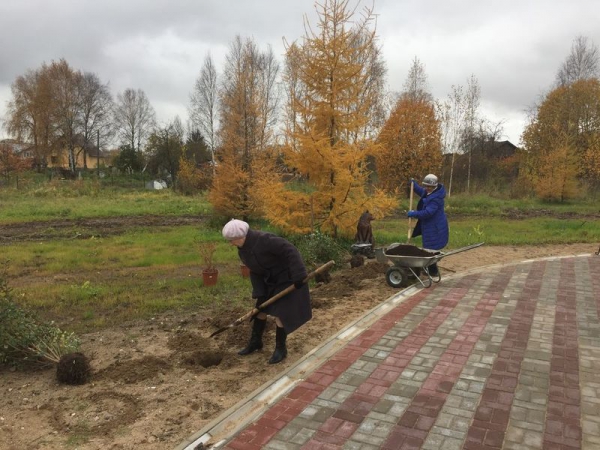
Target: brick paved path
[{"x": 507, "y": 357}]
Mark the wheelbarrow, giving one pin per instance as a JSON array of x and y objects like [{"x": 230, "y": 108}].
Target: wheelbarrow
[
  {"x": 364, "y": 249},
  {"x": 406, "y": 258}
]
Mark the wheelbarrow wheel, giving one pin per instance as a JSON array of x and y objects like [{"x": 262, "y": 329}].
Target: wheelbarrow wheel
[{"x": 396, "y": 277}]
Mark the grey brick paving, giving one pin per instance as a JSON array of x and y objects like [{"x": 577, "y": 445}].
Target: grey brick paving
[
  {"x": 414, "y": 353},
  {"x": 527, "y": 416}
]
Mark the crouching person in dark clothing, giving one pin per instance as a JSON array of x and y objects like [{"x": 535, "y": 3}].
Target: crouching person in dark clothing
[{"x": 274, "y": 265}]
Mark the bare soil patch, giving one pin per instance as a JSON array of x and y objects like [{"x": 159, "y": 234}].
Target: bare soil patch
[
  {"x": 156, "y": 382},
  {"x": 87, "y": 228}
]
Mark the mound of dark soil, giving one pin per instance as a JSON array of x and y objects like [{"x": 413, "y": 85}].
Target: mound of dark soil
[
  {"x": 409, "y": 250},
  {"x": 73, "y": 368},
  {"x": 357, "y": 261}
]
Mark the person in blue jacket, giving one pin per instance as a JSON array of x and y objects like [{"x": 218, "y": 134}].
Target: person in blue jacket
[{"x": 432, "y": 222}]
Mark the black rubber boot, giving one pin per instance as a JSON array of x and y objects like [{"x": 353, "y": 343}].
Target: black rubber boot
[
  {"x": 433, "y": 270},
  {"x": 255, "y": 343},
  {"x": 280, "y": 349}
]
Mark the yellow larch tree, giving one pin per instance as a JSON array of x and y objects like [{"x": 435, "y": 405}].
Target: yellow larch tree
[
  {"x": 334, "y": 79},
  {"x": 555, "y": 178},
  {"x": 565, "y": 130},
  {"x": 248, "y": 105},
  {"x": 410, "y": 143},
  {"x": 591, "y": 158}
]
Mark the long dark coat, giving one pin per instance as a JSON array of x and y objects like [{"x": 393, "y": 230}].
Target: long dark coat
[
  {"x": 432, "y": 221},
  {"x": 274, "y": 265}
]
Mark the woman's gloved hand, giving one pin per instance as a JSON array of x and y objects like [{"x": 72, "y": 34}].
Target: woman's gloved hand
[
  {"x": 298, "y": 284},
  {"x": 260, "y": 300},
  {"x": 411, "y": 213}
]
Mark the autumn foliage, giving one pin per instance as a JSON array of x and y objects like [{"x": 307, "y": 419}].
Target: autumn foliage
[
  {"x": 246, "y": 134},
  {"x": 236, "y": 188},
  {"x": 591, "y": 158},
  {"x": 334, "y": 81},
  {"x": 192, "y": 179},
  {"x": 410, "y": 144},
  {"x": 561, "y": 142},
  {"x": 556, "y": 175},
  {"x": 11, "y": 163}
]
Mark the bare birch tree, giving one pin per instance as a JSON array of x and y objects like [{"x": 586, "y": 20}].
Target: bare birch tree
[
  {"x": 95, "y": 112},
  {"x": 472, "y": 101},
  {"x": 582, "y": 63},
  {"x": 416, "y": 86},
  {"x": 452, "y": 113},
  {"x": 204, "y": 104},
  {"x": 66, "y": 91},
  {"x": 134, "y": 118},
  {"x": 459, "y": 116}
]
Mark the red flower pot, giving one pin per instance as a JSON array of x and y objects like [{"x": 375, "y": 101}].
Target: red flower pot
[
  {"x": 210, "y": 276},
  {"x": 245, "y": 270}
]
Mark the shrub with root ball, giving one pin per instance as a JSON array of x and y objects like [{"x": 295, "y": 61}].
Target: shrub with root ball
[
  {"x": 26, "y": 339},
  {"x": 73, "y": 368}
]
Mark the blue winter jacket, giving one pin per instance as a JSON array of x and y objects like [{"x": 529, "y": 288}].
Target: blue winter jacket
[{"x": 432, "y": 222}]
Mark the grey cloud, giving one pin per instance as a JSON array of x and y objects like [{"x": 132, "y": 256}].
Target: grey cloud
[{"x": 514, "y": 48}]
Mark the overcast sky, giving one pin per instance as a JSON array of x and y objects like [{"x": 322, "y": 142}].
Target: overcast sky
[{"x": 513, "y": 47}]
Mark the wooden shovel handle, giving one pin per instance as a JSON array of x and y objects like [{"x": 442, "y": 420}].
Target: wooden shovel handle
[{"x": 410, "y": 207}]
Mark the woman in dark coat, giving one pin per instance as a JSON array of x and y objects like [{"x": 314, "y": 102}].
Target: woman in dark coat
[
  {"x": 432, "y": 222},
  {"x": 274, "y": 265}
]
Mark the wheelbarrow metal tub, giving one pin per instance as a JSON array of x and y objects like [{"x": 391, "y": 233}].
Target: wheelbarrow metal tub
[{"x": 398, "y": 273}]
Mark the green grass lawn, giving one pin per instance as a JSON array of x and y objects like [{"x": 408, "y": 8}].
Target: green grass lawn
[
  {"x": 91, "y": 283},
  {"x": 500, "y": 231},
  {"x": 152, "y": 202}
]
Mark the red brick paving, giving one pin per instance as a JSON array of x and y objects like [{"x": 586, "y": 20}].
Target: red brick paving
[
  {"x": 489, "y": 424},
  {"x": 564, "y": 399}
]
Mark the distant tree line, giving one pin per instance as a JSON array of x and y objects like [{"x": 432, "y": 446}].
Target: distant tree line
[{"x": 311, "y": 143}]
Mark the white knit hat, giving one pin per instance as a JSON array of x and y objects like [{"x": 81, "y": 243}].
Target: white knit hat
[
  {"x": 235, "y": 229},
  {"x": 430, "y": 180}
]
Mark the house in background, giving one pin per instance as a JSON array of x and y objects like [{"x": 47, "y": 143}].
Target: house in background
[
  {"x": 87, "y": 155},
  {"x": 499, "y": 149},
  {"x": 21, "y": 149},
  {"x": 60, "y": 158},
  {"x": 490, "y": 163}
]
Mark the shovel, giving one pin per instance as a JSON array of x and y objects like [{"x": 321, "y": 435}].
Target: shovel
[
  {"x": 410, "y": 205},
  {"x": 273, "y": 299}
]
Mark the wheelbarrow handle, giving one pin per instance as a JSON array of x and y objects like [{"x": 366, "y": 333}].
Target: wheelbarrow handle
[{"x": 462, "y": 249}]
